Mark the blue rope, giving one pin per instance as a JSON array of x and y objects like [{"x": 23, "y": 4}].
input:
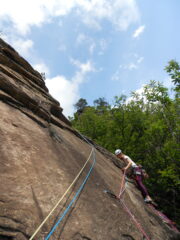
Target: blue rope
[{"x": 72, "y": 201}]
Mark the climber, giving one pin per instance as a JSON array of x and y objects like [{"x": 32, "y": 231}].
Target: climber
[{"x": 137, "y": 171}]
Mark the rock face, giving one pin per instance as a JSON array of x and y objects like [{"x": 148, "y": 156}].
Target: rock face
[{"x": 41, "y": 154}]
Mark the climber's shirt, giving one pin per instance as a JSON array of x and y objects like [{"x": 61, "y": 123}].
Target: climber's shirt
[
  {"x": 128, "y": 159},
  {"x": 136, "y": 170}
]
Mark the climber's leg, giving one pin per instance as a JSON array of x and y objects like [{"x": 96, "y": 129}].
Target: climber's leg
[{"x": 141, "y": 187}]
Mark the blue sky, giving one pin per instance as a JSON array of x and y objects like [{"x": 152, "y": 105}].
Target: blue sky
[{"x": 94, "y": 48}]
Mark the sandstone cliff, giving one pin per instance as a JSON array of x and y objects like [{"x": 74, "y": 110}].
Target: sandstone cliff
[{"x": 40, "y": 155}]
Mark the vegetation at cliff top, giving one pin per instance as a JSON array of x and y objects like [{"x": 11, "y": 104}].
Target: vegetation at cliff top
[{"x": 146, "y": 128}]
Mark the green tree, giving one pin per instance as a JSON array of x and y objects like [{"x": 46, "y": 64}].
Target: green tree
[
  {"x": 100, "y": 102},
  {"x": 146, "y": 127},
  {"x": 80, "y": 105},
  {"x": 173, "y": 68}
]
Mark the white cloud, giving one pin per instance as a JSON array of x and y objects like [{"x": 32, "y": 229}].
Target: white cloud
[
  {"x": 140, "y": 59},
  {"x": 138, "y": 94},
  {"x": 129, "y": 66},
  {"x": 83, "y": 39},
  {"x": 84, "y": 67},
  {"x": 121, "y": 13},
  {"x": 132, "y": 66},
  {"x": 103, "y": 46},
  {"x": 117, "y": 75},
  {"x": 42, "y": 68},
  {"x": 90, "y": 21},
  {"x": 25, "y": 14},
  {"x": 66, "y": 91},
  {"x": 92, "y": 48},
  {"x": 138, "y": 31},
  {"x": 20, "y": 14},
  {"x": 23, "y": 46}
]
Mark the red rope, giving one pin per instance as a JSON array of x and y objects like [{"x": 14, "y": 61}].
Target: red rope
[
  {"x": 163, "y": 217},
  {"x": 135, "y": 221},
  {"x": 122, "y": 185},
  {"x": 127, "y": 209}
]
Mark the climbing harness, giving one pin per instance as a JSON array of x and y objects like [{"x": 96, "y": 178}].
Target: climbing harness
[
  {"x": 137, "y": 171},
  {"x": 68, "y": 189},
  {"x": 72, "y": 201}
]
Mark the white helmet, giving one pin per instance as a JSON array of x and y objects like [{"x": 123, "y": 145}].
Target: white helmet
[{"x": 118, "y": 151}]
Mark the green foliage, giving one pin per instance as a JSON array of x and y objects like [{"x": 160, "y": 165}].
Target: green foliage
[
  {"x": 100, "y": 103},
  {"x": 146, "y": 127},
  {"x": 173, "y": 69},
  {"x": 81, "y": 104}
]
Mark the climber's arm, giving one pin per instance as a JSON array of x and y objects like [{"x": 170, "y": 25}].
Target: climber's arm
[{"x": 128, "y": 165}]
